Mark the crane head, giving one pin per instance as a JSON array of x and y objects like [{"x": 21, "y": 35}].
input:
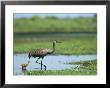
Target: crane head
[{"x": 57, "y": 41}]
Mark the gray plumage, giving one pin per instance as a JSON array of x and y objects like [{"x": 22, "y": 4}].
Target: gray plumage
[{"x": 42, "y": 52}]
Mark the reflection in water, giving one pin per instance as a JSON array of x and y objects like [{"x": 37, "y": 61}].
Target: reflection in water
[
  {"x": 24, "y": 71},
  {"x": 42, "y": 65},
  {"x": 55, "y": 62}
]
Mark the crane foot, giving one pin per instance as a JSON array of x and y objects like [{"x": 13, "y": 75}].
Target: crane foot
[{"x": 45, "y": 67}]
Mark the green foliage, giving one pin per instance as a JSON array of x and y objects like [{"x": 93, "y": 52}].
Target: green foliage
[{"x": 54, "y": 24}]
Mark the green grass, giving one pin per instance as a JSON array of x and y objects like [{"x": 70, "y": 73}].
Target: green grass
[
  {"x": 74, "y": 45},
  {"x": 38, "y": 32},
  {"x": 85, "y": 68},
  {"x": 90, "y": 65}
]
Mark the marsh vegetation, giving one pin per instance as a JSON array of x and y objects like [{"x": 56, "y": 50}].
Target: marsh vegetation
[
  {"x": 84, "y": 68},
  {"x": 78, "y": 37}
]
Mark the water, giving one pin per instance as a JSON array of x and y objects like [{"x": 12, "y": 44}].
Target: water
[
  {"x": 54, "y": 35},
  {"x": 53, "y": 62}
]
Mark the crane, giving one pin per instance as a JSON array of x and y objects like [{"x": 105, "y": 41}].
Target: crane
[{"x": 41, "y": 53}]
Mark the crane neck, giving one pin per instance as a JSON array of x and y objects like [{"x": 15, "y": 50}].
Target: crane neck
[{"x": 53, "y": 46}]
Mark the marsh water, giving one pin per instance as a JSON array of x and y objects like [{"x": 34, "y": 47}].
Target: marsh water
[{"x": 52, "y": 62}]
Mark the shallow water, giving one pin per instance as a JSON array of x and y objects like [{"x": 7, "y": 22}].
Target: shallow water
[{"x": 52, "y": 62}]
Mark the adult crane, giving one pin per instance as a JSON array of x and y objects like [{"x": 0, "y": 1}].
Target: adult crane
[{"x": 41, "y": 53}]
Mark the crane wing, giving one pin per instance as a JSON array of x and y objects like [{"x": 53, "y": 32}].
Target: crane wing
[{"x": 40, "y": 52}]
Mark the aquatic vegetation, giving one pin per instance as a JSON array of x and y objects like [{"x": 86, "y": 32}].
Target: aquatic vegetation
[
  {"x": 89, "y": 66},
  {"x": 85, "y": 68}
]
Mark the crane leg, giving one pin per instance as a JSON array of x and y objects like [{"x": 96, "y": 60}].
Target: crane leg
[
  {"x": 43, "y": 64},
  {"x": 45, "y": 67},
  {"x": 37, "y": 60}
]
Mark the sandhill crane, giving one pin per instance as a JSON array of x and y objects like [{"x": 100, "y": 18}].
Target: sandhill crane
[{"x": 40, "y": 53}]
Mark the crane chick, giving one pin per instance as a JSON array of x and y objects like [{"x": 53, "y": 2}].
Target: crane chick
[{"x": 24, "y": 66}]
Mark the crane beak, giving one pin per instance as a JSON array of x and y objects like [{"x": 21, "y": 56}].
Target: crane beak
[{"x": 58, "y": 42}]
